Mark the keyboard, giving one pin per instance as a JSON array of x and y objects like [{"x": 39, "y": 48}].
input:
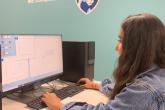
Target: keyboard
[{"x": 63, "y": 93}]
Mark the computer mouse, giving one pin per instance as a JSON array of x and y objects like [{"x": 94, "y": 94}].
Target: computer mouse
[{"x": 79, "y": 83}]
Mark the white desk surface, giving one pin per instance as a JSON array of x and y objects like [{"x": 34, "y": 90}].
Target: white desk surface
[{"x": 91, "y": 96}]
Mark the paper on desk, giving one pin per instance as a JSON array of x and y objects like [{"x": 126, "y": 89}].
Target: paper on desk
[
  {"x": 90, "y": 96},
  {"x": 45, "y": 108}
]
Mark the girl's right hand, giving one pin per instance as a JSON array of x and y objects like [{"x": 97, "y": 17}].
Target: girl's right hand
[{"x": 88, "y": 83}]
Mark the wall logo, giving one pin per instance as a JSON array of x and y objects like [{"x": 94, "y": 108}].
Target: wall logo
[{"x": 87, "y": 6}]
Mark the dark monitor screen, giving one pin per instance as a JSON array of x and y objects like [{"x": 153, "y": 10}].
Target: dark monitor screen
[{"x": 27, "y": 59}]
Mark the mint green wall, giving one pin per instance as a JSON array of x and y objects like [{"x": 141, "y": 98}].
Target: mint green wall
[{"x": 63, "y": 17}]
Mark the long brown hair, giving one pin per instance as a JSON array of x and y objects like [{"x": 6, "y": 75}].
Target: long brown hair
[{"x": 143, "y": 45}]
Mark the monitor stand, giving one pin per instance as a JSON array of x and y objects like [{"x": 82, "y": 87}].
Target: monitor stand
[{"x": 25, "y": 96}]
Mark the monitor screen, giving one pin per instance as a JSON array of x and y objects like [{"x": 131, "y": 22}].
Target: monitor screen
[{"x": 26, "y": 59}]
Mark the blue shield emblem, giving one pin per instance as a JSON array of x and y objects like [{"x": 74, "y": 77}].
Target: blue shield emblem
[{"x": 87, "y": 6}]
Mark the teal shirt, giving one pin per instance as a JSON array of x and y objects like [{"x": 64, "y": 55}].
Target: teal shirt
[{"x": 146, "y": 92}]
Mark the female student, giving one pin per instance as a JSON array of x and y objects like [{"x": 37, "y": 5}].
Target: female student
[{"x": 140, "y": 72}]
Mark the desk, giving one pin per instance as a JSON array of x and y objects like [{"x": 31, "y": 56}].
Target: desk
[{"x": 91, "y": 96}]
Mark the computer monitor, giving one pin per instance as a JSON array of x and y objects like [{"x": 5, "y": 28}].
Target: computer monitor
[{"x": 28, "y": 59}]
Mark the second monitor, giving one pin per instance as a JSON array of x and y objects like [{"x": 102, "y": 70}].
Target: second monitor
[{"x": 78, "y": 60}]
